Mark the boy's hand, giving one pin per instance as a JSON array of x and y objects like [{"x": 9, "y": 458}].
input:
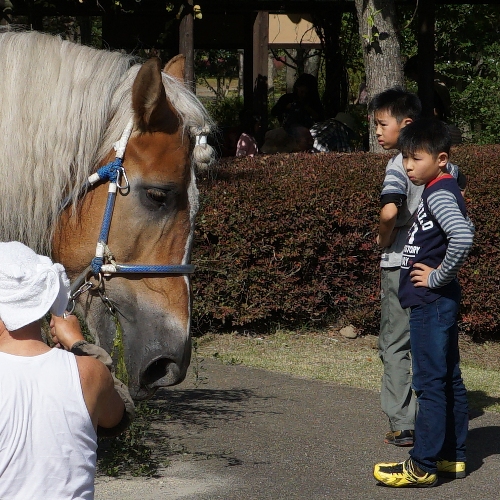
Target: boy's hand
[
  {"x": 420, "y": 274},
  {"x": 387, "y": 242}
]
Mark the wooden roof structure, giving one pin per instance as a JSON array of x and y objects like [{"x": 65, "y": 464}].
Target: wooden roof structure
[{"x": 228, "y": 24}]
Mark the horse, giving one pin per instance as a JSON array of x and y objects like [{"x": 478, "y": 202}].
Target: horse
[{"x": 65, "y": 108}]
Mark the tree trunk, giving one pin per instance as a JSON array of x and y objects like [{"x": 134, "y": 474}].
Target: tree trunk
[
  {"x": 186, "y": 45},
  {"x": 381, "y": 52},
  {"x": 328, "y": 26}
]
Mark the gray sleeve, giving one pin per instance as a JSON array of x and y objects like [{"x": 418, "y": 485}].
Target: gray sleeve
[
  {"x": 452, "y": 169},
  {"x": 459, "y": 231},
  {"x": 84, "y": 348},
  {"x": 395, "y": 180}
]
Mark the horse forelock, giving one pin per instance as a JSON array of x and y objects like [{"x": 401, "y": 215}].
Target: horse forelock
[{"x": 63, "y": 107}]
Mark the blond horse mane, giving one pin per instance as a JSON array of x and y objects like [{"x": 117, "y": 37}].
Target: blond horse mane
[{"x": 63, "y": 106}]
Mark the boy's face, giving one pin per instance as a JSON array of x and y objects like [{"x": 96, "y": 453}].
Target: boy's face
[
  {"x": 423, "y": 167},
  {"x": 387, "y": 128}
]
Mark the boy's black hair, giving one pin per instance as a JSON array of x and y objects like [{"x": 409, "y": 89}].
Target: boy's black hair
[
  {"x": 398, "y": 102},
  {"x": 427, "y": 134}
]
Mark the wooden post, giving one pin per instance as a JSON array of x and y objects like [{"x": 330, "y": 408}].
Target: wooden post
[
  {"x": 260, "y": 65},
  {"x": 186, "y": 45},
  {"x": 85, "y": 29},
  {"x": 426, "y": 20},
  {"x": 248, "y": 78},
  {"x": 36, "y": 21}
]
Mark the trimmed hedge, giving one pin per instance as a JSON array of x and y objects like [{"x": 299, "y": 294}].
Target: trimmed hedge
[{"x": 290, "y": 239}]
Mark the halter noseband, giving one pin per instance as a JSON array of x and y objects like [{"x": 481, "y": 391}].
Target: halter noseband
[{"x": 104, "y": 264}]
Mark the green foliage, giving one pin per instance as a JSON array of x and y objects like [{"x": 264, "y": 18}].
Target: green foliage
[
  {"x": 467, "y": 60},
  {"x": 290, "y": 239},
  {"x": 353, "y": 55},
  {"x": 218, "y": 65},
  {"x": 477, "y": 108},
  {"x": 225, "y": 112},
  {"x": 279, "y": 237},
  {"x": 130, "y": 452}
]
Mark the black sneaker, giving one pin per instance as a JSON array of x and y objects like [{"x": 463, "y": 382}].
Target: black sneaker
[{"x": 399, "y": 438}]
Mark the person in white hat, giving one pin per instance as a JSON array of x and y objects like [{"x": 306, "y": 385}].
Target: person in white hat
[{"x": 52, "y": 400}]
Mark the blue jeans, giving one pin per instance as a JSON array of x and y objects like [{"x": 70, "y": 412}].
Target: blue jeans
[{"x": 442, "y": 418}]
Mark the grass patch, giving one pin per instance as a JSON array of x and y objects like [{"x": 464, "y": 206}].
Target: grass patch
[
  {"x": 330, "y": 357},
  {"x": 312, "y": 356},
  {"x": 131, "y": 452}
]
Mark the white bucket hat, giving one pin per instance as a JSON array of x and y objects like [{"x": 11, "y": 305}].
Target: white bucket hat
[{"x": 30, "y": 285}]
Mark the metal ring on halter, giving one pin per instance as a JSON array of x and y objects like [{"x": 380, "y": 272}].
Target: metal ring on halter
[
  {"x": 93, "y": 286},
  {"x": 72, "y": 308},
  {"x": 126, "y": 186}
]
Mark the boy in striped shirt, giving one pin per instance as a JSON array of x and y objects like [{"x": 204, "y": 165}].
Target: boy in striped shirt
[{"x": 436, "y": 247}]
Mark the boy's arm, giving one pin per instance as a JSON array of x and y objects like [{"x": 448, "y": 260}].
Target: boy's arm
[
  {"x": 388, "y": 216},
  {"x": 459, "y": 232},
  {"x": 392, "y": 197}
]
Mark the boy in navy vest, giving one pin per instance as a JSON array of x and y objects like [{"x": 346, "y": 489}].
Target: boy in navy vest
[{"x": 436, "y": 247}]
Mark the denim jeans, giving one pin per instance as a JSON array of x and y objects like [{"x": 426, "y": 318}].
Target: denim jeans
[{"x": 442, "y": 418}]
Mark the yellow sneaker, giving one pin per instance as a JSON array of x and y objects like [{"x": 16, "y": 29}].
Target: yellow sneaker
[
  {"x": 451, "y": 469},
  {"x": 403, "y": 474}
]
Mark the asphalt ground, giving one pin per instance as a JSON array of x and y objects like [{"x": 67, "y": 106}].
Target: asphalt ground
[{"x": 250, "y": 434}]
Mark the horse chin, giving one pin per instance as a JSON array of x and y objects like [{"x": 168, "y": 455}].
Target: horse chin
[{"x": 143, "y": 393}]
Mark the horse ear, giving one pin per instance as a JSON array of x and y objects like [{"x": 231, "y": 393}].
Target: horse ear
[
  {"x": 175, "y": 67},
  {"x": 149, "y": 100}
]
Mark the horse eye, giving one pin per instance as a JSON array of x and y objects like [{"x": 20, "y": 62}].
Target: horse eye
[{"x": 157, "y": 195}]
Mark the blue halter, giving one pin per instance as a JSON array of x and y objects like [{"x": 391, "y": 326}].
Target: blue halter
[{"x": 103, "y": 264}]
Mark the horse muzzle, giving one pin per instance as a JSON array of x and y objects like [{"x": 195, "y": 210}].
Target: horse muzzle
[{"x": 162, "y": 372}]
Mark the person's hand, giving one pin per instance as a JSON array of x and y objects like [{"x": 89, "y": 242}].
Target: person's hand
[
  {"x": 65, "y": 331},
  {"x": 386, "y": 243},
  {"x": 420, "y": 274}
]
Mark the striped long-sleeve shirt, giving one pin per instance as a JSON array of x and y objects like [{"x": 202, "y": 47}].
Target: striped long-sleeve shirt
[
  {"x": 398, "y": 189},
  {"x": 440, "y": 237},
  {"x": 459, "y": 231}
]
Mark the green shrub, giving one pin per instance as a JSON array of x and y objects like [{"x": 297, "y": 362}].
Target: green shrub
[
  {"x": 225, "y": 112},
  {"x": 480, "y": 277},
  {"x": 290, "y": 239},
  {"x": 279, "y": 237}
]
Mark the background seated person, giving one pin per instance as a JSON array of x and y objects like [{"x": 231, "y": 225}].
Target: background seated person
[
  {"x": 250, "y": 126},
  {"x": 442, "y": 99},
  {"x": 335, "y": 134},
  {"x": 304, "y": 103},
  {"x": 293, "y": 139}
]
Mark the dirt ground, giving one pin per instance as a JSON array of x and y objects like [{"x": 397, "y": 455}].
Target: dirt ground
[{"x": 251, "y": 434}]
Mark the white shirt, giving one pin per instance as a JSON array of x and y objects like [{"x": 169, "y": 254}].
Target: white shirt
[{"x": 47, "y": 441}]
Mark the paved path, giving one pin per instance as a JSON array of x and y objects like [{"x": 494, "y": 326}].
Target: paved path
[{"x": 248, "y": 434}]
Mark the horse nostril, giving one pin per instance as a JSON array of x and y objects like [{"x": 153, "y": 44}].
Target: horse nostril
[{"x": 155, "y": 371}]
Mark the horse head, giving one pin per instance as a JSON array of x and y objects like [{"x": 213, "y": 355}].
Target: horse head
[{"x": 152, "y": 223}]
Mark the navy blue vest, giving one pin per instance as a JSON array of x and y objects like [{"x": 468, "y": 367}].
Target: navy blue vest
[{"x": 426, "y": 242}]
